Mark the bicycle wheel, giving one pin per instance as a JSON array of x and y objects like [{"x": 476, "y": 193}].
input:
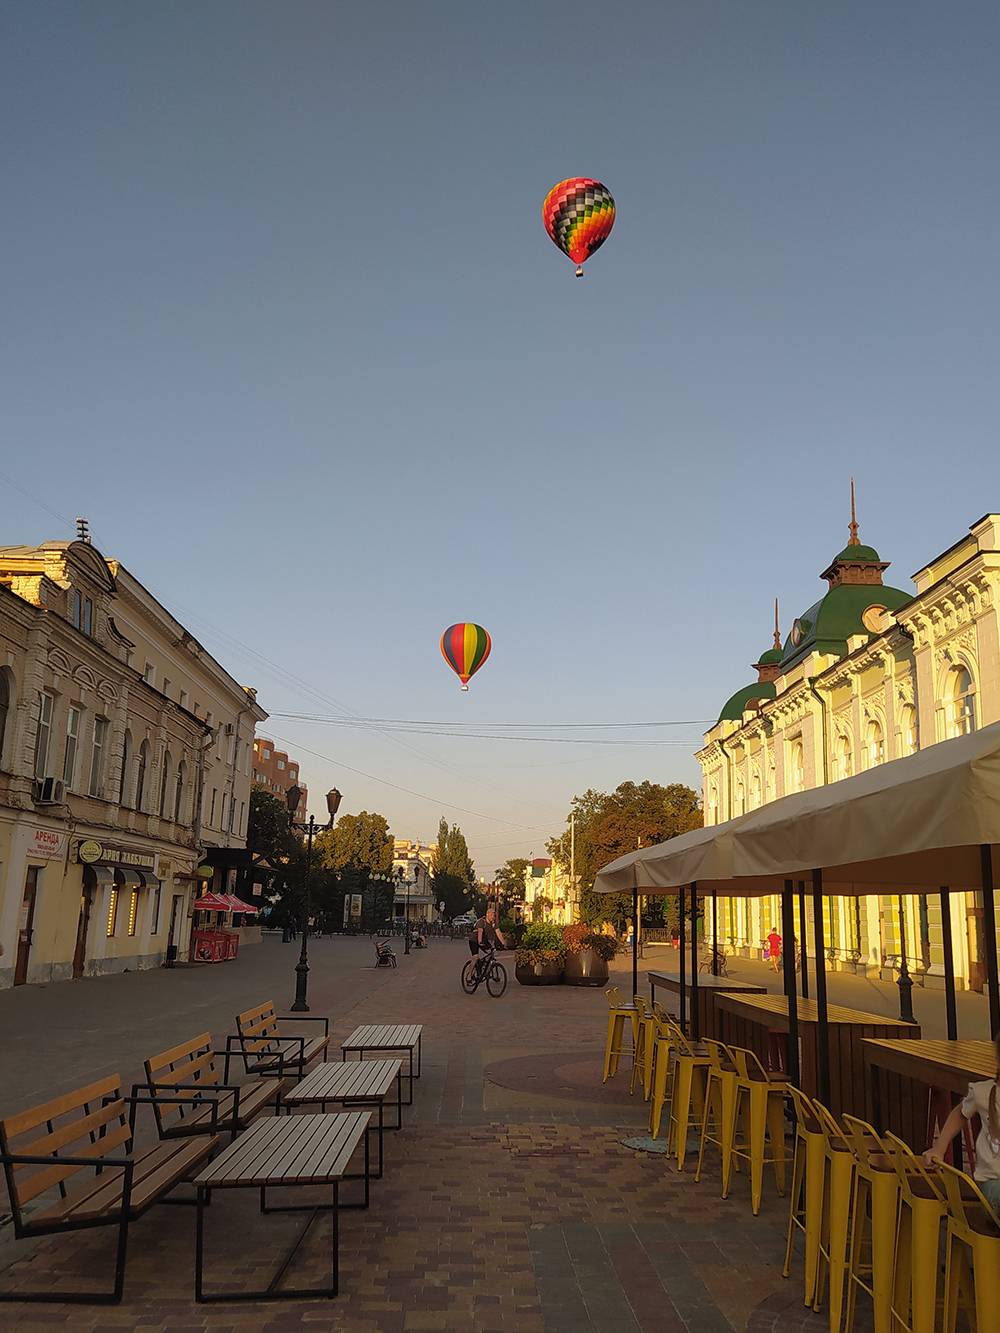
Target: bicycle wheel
[
  {"x": 470, "y": 977},
  {"x": 496, "y": 980}
]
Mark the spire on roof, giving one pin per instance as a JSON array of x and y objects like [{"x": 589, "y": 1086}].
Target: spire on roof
[
  {"x": 777, "y": 632},
  {"x": 855, "y": 540}
]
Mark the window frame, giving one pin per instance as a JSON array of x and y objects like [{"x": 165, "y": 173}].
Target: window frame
[
  {"x": 45, "y": 714},
  {"x": 98, "y": 746},
  {"x": 74, "y": 713}
]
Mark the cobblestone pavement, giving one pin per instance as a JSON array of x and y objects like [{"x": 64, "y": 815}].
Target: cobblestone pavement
[{"x": 509, "y": 1201}]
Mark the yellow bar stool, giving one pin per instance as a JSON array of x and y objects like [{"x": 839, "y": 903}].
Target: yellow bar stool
[
  {"x": 973, "y": 1247},
  {"x": 642, "y": 1055},
  {"x": 619, "y": 1013},
  {"x": 760, "y": 1115},
  {"x": 915, "y": 1305},
  {"x": 805, "y": 1212},
  {"x": 838, "y": 1191},
  {"x": 687, "y": 1094},
  {"x": 718, "y": 1117},
  {"x": 874, "y": 1220},
  {"x": 664, "y": 1049}
]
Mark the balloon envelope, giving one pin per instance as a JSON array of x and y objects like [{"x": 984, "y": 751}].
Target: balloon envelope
[
  {"x": 465, "y": 647},
  {"x": 578, "y": 214}
]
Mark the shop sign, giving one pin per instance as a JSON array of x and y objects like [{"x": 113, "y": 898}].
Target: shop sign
[
  {"x": 46, "y": 843},
  {"x": 356, "y": 906},
  {"x": 89, "y": 851}
]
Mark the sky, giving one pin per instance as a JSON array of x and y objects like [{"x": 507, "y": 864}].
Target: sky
[{"x": 279, "y": 316}]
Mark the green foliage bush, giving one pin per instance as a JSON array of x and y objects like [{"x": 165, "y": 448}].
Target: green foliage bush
[{"x": 543, "y": 935}]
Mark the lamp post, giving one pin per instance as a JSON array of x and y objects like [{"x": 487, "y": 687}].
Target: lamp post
[
  {"x": 905, "y": 982},
  {"x": 400, "y": 875},
  {"x": 292, "y": 798}
]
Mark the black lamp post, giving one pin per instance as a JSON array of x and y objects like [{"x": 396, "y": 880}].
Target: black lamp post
[
  {"x": 400, "y": 876},
  {"x": 292, "y": 797},
  {"x": 905, "y": 982}
]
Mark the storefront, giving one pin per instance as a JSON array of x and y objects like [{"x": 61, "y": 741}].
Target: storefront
[{"x": 215, "y": 938}]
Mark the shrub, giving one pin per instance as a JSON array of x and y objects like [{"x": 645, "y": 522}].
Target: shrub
[
  {"x": 574, "y": 936},
  {"x": 602, "y": 945},
  {"x": 542, "y": 942}
]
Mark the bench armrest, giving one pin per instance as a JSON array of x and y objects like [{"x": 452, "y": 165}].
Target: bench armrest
[
  {"x": 162, "y": 1099},
  {"x": 95, "y": 1163},
  {"x": 306, "y": 1018}
]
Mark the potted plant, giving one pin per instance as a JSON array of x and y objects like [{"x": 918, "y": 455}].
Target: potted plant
[
  {"x": 539, "y": 959},
  {"x": 587, "y": 956}
]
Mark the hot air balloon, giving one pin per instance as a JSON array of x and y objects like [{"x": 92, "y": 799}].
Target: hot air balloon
[
  {"x": 578, "y": 214},
  {"x": 465, "y": 647}
]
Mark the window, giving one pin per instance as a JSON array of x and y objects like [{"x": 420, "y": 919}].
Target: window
[
  {"x": 149, "y": 673},
  {"x": 165, "y": 775},
  {"x": 797, "y": 766},
  {"x": 874, "y": 745},
  {"x": 140, "y": 777},
  {"x": 112, "y": 912},
  {"x": 182, "y": 698},
  {"x": 44, "y": 734},
  {"x": 165, "y": 688},
  {"x": 179, "y": 791},
  {"x": 741, "y": 800},
  {"x": 72, "y": 742},
  {"x": 843, "y": 764},
  {"x": 154, "y": 916},
  {"x": 963, "y": 702},
  {"x": 97, "y": 755},
  {"x": 267, "y": 754},
  {"x": 74, "y": 607},
  {"x": 4, "y": 707},
  {"x": 293, "y": 773},
  {"x": 241, "y": 829},
  {"x": 232, "y": 812},
  {"x": 133, "y": 911},
  {"x": 211, "y": 813},
  {"x": 126, "y": 760},
  {"x": 88, "y": 616},
  {"x": 281, "y": 765},
  {"x": 755, "y": 795},
  {"x": 908, "y": 729}
]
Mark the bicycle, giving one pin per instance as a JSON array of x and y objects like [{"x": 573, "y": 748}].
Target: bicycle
[{"x": 484, "y": 968}]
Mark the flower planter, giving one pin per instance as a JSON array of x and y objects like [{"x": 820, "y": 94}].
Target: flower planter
[
  {"x": 585, "y": 969},
  {"x": 538, "y": 974}
]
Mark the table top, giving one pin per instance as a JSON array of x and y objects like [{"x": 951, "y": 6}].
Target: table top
[
  {"x": 939, "y": 1064},
  {"x": 346, "y": 1080},
  {"x": 289, "y": 1150},
  {"x": 707, "y": 981},
  {"x": 776, "y": 1006},
  {"x": 383, "y": 1037}
]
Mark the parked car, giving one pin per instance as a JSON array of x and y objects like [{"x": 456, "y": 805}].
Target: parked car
[{"x": 466, "y": 919}]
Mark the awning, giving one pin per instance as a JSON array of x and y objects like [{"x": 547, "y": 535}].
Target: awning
[
  {"x": 98, "y": 877},
  {"x": 149, "y": 880},
  {"x": 127, "y": 878},
  {"x": 913, "y": 824},
  {"x": 212, "y": 902},
  {"x": 238, "y": 905}
]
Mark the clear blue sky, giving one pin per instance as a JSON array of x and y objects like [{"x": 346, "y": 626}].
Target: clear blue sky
[{"x": 279, "y": 316}]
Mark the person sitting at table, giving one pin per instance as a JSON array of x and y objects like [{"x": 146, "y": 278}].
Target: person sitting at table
[{"x": 980, "y": 1100}]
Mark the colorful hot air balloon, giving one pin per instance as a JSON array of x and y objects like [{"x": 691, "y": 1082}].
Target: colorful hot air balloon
[
  {"x": 578, "y": 214},
  {"x": 465, "y": 647}
]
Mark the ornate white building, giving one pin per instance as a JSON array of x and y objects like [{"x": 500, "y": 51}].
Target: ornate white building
[{"x": 867, "y": 674}]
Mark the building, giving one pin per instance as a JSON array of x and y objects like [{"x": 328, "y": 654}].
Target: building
[
  {"x": 412, "y": 868},
  {"x": 547, "y": 894},
  {"x": 867, "y": 674},
  {"x": 124, "y": 768},
  {"x": 274, "y": 770}
]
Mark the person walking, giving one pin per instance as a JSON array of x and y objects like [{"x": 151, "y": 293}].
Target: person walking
[{"x": 774, "y": 950}]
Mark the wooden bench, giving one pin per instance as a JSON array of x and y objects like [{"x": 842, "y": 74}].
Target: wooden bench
[
  {"x": 87, "y": 1131},
  {"x": 267, "y": 1050},
  {"x": 190, "y": 1067}
]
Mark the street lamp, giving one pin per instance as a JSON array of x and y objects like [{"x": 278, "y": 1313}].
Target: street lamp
[{"x": 292, "y": 797}]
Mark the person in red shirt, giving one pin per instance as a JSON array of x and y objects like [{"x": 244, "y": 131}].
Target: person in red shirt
[{"x": 774, "y": 949}]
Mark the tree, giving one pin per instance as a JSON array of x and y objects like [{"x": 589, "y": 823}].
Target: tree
[
  {"x": 453, "y": 876},
  {"x": 269, "y": 835},
  {"x": 362, "y": 841},
  {"x": 608, "y": 824},
  {"x": 510, "y": 877}
]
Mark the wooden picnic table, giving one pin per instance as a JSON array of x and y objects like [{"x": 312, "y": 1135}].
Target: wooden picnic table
[
  {"x": 759, "y": 1022},
  {"x": 709, "y": 986},
  {"x": 286, "y": 1150},
  {"x": 379, "y": 1037},
  {"x": 913, "y": 1084},
  {"x": 357, "y": 1083}
]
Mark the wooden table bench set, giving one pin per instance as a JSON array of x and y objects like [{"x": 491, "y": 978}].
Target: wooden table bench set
[{"x": 73, "y": 1164}]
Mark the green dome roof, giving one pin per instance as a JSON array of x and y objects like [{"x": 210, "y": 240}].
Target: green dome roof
[
  {"x": 831, "y": 621},
  {"x": 772, "y": 656},
  {"x": 733, "y": 708},
  {"x": 854, "y": 554}
]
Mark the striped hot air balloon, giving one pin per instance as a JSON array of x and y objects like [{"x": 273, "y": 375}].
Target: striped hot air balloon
[
  {"x": 465, "y": 647},
  {"x": 578, "y": 214}
]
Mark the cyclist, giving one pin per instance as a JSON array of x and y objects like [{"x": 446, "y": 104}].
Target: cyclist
[{"x": 485, "y": 935}]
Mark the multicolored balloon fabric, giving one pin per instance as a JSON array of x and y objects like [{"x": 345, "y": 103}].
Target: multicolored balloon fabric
[
  {"x": 465, "y": 647},
  {"x": 578, "y": 214}
]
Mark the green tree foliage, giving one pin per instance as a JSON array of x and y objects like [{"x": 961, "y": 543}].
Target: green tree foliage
[
  {"x": 361, "y": 841},
  {"x": 269, "y": 836},
  {"x": 608, "y": 824},
  {"x": 453, "y": 876},
  {"x": 510, "y": 877}
]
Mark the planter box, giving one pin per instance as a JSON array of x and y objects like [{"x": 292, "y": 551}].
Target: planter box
[
  {"x": 538, "y": 974},
  {"x": 585, "y": 969}
]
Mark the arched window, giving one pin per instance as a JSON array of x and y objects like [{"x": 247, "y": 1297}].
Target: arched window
[
  {"x": 713, "y": 805},
  {"x": 741, "y": 799},
  {"x": 797, "y": 767},
  {"x": 963, "y": 702},
  {"x": 5, "y": 708},
  {"x": 908, "y": 729},
  {"x": 140, "y": 777},
  {"x": 755, "y": 797},
  {"x": 179, "y": 791},
  {"x": 126, "y": 760},
  {"x": 842, "y": 757},
  {"x": 165, "y": 784},
  {"x": 874, "y": 744},
  {"x": 770, "y": 786}
]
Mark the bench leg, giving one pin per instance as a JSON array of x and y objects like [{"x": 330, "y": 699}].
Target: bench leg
[{"x": 58, "y": 1297}]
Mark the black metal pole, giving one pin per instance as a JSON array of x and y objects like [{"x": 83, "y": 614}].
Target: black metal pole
[
  {"x": 682, "y": 951},
  {"x": 788, "y": 932},
  {"x": 406, "y": 927},
  {"x": 905, "y": 982},
  {"x": 803, "y": 940},
  {"x": 695, "y": 1015},
  {"x": 302, "y": 966},
  {"x": 635, "y": 940},
  {"x": 990, "y": 937},
  {"x": 715, "y": 934},
  {"x": 950, "y": 1006},
  {"x": 822, "y": 1029}
]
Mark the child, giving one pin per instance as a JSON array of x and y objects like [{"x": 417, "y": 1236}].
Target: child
[{"x": 982, "y": 1100}]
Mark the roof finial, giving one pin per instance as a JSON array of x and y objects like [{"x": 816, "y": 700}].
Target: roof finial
[
  {"x": 855, "y": 539},
  {"x": 777, "y": 632},
  {"x": 83, "y": 531}
]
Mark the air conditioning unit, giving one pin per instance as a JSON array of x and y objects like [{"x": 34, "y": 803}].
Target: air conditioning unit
[{"x": 49, "y": 791}]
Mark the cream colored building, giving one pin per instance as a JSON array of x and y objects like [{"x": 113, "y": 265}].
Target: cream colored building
[
  {"x": 547, "y": 895},
  {"x": 412, "y": 867},
  {"x": 867, "y": 674},
  {"x": 124, "y": 765}
]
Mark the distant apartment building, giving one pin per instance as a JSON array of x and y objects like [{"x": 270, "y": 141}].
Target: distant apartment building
[
  {"x": 274, "y": 770},
  {"x": 412, "y": 867}
]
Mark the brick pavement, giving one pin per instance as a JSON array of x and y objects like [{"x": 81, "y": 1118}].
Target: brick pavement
[{"x": 509, "y": 1201}]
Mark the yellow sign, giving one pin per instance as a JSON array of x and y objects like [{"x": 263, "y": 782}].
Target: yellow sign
[{"x": 89, "y": 851}]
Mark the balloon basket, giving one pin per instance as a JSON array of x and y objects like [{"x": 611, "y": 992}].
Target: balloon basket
[
  {"x": 465, "y": 689},
  {"x": 579, "y": 271}
]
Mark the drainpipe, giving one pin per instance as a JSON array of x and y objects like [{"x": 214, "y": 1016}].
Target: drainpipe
[{"x": 822, "y": 711}]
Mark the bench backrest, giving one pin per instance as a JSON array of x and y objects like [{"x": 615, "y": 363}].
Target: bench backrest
[
  {"x": 89, "y": 1122},
  {"x": 192, "y": 1062},
  {"x": 259, "y": 1030}
]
